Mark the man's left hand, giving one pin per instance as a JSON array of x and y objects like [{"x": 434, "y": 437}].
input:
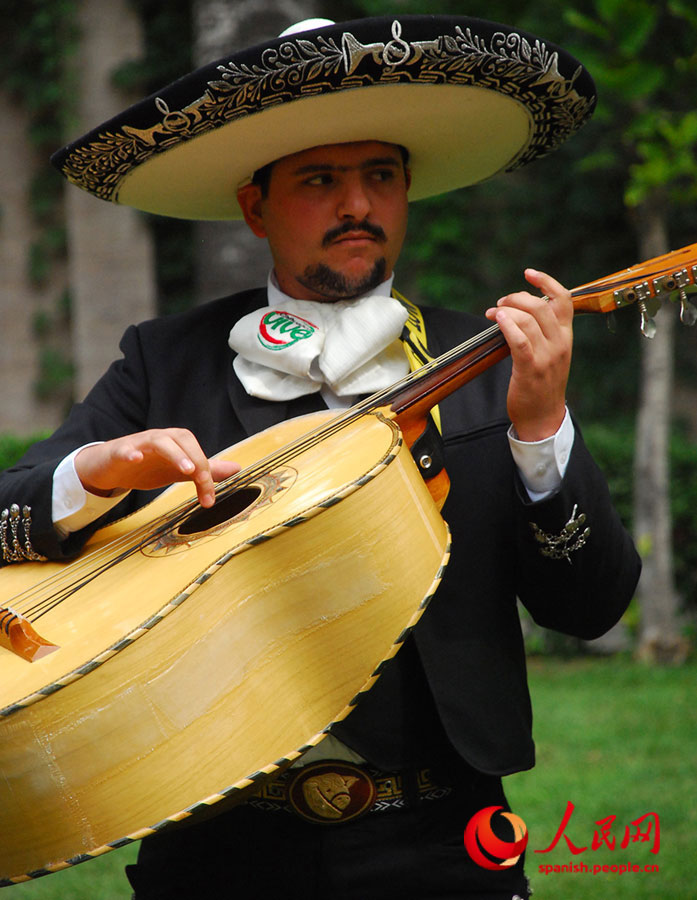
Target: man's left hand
[{"x": 539, "y": 334}]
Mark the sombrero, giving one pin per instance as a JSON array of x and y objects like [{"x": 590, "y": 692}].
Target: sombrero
[{"x": 467, "y": 97}]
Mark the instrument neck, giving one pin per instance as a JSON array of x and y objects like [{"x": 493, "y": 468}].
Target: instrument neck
[{"x": 426, "y": 387}]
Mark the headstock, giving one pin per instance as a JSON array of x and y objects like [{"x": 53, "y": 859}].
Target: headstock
[{"x": 648, "y": 284}]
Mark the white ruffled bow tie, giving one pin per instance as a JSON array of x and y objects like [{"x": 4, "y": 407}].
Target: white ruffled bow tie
[{"x": 296, "y": 346}]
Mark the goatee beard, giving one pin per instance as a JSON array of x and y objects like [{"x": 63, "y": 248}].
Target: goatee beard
[{"x": 332, "y": 285}]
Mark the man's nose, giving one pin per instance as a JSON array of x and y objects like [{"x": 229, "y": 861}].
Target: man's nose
[{"x": 354, "y": 201}]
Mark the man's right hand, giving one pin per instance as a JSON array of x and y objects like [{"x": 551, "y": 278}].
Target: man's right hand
[{"x": 151, "y": 459}]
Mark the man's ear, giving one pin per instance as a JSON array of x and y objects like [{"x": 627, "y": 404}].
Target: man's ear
[
  {"x": 249, "y": 197},
  {"x": 407, "y": 176}
]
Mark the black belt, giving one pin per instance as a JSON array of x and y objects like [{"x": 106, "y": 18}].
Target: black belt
[{"x": 332, "y": 791}]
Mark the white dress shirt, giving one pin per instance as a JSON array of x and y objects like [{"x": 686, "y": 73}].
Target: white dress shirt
[{"x": 541, "y": 464}]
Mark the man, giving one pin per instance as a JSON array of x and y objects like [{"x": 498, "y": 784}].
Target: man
[
  {"x": 528, "y": 509},
  {"x": 335, "y": 217}
]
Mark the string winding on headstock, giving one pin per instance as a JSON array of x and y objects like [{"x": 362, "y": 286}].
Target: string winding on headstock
[{"x": 648, "y": 285}]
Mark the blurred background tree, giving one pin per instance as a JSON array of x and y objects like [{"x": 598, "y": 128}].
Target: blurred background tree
[{"x": 650, "y": 94}]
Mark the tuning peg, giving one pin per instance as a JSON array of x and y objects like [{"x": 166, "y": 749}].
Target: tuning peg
[
  {"x": 648, "y": 326},
  {"x": 688, "y": 313}
]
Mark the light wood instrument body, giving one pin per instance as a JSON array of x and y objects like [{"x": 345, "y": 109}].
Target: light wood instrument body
[
  {"x": 208, "y": 657},
  {"x": 216, "y": 653}
]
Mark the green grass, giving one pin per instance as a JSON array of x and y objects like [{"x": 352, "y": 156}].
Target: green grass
[
  {"x": 99, "y": 879},
  {"x": 613, "y": 736}
]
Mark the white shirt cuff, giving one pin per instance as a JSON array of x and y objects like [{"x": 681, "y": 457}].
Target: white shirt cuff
[
  {"x": 542, "y": 464},
  {"x": 72, "y": 506}
]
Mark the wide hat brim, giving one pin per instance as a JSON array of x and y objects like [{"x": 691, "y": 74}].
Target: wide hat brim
[{"x": 468, "y": 98}]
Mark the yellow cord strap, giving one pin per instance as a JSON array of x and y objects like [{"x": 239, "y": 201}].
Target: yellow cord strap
[{"x": 415, "y": 343}]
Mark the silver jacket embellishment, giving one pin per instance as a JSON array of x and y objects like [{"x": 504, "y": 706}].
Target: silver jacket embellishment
[
  {"x": 15, "y": 527},
  {"x": 560, "y": 546}
]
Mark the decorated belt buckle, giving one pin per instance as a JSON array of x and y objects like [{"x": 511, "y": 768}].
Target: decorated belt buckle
[{"x": 328, "y": 793}]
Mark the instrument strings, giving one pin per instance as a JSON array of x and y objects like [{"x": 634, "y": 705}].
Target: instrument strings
[
  {"x": 44, "y": 596},
  {"x": 83, "y": 571},
  {"x": 380, "y": 399}
]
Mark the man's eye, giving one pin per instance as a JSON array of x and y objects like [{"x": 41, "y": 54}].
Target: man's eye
[
  {"x": 383, "y": 174},
  {"x": 320, "y": 179}
]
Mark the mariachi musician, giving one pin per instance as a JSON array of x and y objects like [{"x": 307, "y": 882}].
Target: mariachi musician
[{"x": 317, "y": 139}]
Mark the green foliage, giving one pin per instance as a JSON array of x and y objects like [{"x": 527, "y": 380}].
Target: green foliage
[
  {"x": 167, "y": 55},
  {"x": 683, "y": 498},
  {"x": 45, "y": 195},
  {"x": 665, "y": 144},
  {"x": 50, "y": 246},
  {"x": 174, "y": 252},
  {"x": 168, "y": 41},
  {"x": 613, "y": 448},
  {"x": 56, "y": 371},
  {"x": 642, "y": 55},
  {"x": 36, "y": 45},
  {"x": 495, "y": 10},
  {"x": 13, "y": 447}
]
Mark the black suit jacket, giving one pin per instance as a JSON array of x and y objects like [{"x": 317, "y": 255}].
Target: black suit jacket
[{"x": 460, "y": 682}]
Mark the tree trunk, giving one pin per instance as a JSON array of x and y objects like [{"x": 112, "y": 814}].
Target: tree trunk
[
  {"x": 228, "y": 257},
  {"x": 659, "y": 638},
  {"x": 24, "y": 305},
  {"x": 111, "y": 263}
]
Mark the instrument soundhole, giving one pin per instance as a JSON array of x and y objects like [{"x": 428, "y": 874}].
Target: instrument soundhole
[{"x": 224, "y": 510}]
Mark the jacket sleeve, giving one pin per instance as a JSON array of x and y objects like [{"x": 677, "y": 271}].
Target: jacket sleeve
[
  {"x": 117, "y": 405},
  {"x": 578, "y": 564}
]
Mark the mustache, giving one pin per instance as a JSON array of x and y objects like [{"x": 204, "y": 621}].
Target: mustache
[{"x": 347, "y": 227}]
